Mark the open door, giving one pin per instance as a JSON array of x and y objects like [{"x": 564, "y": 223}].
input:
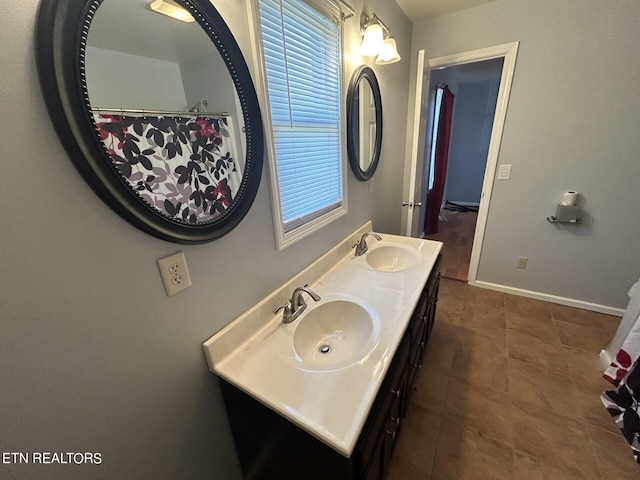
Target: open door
[
  {"x": 412, "y": 221},
  {"x": 416, "y": 193}
]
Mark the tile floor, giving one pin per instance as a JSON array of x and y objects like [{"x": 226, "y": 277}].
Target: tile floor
[{"x": 509, "y": 389}]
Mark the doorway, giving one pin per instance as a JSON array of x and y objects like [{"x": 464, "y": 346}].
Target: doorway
[
  {"x": 505, "y": 56},
  {"x": 474, "y": 87}
]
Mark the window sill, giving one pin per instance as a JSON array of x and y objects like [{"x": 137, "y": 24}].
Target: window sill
[{"x": 285, "y": 239}]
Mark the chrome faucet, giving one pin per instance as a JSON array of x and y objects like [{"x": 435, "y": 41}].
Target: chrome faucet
[
  {"x": 361, "y": 247},
  {"x": 294, "y": 307}
]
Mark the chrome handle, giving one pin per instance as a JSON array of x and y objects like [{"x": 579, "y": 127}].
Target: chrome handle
[
  {"x": 397, "y": 393},
  {"x": 405, "y": 204},
  {"x": 417, "y": 204}
]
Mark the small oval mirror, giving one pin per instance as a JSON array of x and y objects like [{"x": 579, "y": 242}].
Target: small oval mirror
[{"x": 364, "y": 123}]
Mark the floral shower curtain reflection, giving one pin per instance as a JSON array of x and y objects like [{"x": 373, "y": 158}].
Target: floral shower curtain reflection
[
  {"x": 623, "y": 372},
  {"x": 184, "y": 167}
]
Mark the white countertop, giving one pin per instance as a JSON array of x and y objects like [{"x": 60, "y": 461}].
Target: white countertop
[{"x": 255, "y": 352}]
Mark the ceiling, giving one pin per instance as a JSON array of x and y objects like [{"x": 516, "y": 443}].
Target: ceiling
[
  {"x": 130, "y": 26},
  {"x": 418, "y": 10},
  {"x": 121, "y": 24}
]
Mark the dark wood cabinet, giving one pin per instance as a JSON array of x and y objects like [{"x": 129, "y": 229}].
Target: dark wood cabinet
[{"x": 271, "y": 447}]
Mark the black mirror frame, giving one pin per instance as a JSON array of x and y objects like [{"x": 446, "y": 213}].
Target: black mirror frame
[
  {"x": 61, "y": 36},
  {"x": 353, "y": 143}
]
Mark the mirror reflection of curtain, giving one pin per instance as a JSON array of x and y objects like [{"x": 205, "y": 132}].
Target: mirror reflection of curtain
[
  {"x": 440, "y": 155},
  {"x": 185, "y": 167}
]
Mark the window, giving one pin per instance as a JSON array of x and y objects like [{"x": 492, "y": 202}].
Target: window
[{"x": 301, "y": 63}]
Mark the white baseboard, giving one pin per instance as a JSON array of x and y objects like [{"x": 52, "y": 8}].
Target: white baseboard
[{"x": 618, "y": 312}]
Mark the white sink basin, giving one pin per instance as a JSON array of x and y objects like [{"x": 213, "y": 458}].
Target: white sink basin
[
  {"x": 392, "y": 258},
  {"x": 334, "y": 335}
]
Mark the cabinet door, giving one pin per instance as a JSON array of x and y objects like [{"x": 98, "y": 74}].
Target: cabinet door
[
  {"x": 415, "y": 361},
  {"x": 376, "y": 467},
  {"x": 430, "y": 314}
]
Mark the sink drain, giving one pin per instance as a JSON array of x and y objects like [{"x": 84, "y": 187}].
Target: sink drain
[{"x": 324, "y": 348}]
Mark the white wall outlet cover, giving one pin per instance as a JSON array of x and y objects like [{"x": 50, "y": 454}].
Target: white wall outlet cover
[
  {"x": 504, "y": 171},
  {"x": 174, "y": 273}
]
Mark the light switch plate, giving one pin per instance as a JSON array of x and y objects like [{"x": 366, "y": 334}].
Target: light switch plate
[
  {"x": 174, "y": 273},
  {"x": 504, "y": 172}
]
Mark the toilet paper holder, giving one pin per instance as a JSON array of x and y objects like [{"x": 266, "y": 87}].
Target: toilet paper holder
[
  {"x": 567, "y": 211},
  {"x": 565, "y": 214}
]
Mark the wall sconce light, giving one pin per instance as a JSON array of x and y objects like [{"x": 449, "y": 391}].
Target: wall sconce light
[
  {"x": 377, "y": 40},
  {"x": 171, "y": 9}
]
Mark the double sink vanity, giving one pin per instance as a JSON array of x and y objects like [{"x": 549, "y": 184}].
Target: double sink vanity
[{"x": 315, "y": 376}]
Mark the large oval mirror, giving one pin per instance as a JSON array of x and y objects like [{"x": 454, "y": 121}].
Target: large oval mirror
[
  {"x": 364, "y": 123},
  {"x": 159, "y": 115}
]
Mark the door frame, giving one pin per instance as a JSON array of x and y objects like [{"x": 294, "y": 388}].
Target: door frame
[{"x": 508, "y": 52}]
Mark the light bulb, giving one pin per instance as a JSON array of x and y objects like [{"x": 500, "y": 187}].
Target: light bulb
[
  {"x": 389, "y": 53},
  {"x": 372, "y": 40}
]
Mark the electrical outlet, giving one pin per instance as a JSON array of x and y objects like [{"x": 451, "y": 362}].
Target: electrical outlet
[
  {"x": 522, "y": 262},
  {"x": 174, "y": 273}
]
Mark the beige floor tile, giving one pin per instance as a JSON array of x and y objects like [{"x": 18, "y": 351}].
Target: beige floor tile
[
  {"x": 584, "y": 368},
  {"x": 479, "y": 408},
  {"x": 464, "y": 453},
  {"x": 452, "y": 288},
  {"x": 529, "y": 468},
  {"x": 480, "y": 317},
  {"x": 556, "y": 443},
  {"x": 430, "y": 388},
  {"x": 526, "y": 306},
  {"x": 446, "y": 330},
  {"x": 484, "y": 369},
  {"x": 582, "y": 337},
  {"x": 482, "y": 296},
  {"x": 449, "y": 310},
  {"x": 594, "y": 413},
  {"x": 481, "y": 357},
  {"x": 539, "y": 326},
  {"x": 483, "y": 341},
  {"x": 609, "y": 324},
  {"x": 573, "y": 315},
  {"x": 536, "y": 351},
  {"x": 533, "y": 385},
  {"x": 587, "y": 318},
  {"x": 417, "y": 442},
  {"x": 586, "y": 375},
  {"x": 401, "y": 470},
  {"x": 510, "y": 389},
  {"x": 613, "y": 455},
  {"x": 440, "y": 350}
]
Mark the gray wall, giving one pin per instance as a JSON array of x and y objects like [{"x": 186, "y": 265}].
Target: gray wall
[
  {"x": 117, "y": 79},
  {"x": 572, "y": 123},
  {"x": 386, "y": 189},
  {"x": 93, "y": 356},
  {"x": 473, "y": 110}
]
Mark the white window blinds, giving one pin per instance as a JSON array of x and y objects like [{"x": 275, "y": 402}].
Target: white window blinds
[{"x": 302, "y": 62}]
